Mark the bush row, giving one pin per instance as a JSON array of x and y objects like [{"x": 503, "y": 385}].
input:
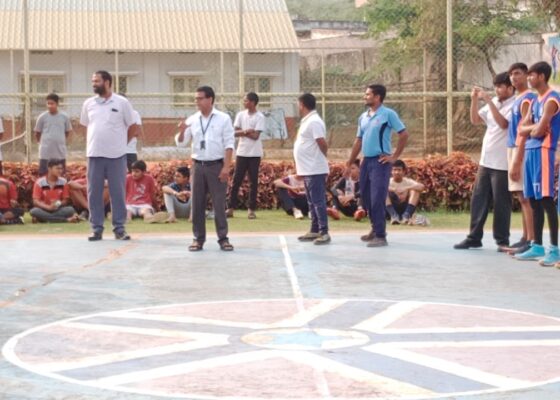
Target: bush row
[{"x": 448, "y": 179}]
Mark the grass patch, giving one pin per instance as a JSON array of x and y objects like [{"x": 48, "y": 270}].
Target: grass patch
[{"x": 267, "y": 221}]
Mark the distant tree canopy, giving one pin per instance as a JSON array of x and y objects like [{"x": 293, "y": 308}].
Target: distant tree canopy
[
  {"x": 330, "y": 10},
  {"x": 481, "y": 28}
]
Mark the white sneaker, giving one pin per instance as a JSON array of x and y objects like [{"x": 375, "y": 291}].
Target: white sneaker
[{"x": 298, "y": 214}]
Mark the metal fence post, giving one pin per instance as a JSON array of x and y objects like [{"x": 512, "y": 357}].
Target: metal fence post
[
  {"x": 26, "y": 83},
  {"x": 241, "y": 55},
  {"x": 449, "y": 76}
]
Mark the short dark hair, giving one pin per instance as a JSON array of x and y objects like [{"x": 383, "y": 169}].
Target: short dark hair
[
  {"x": 53, "y": 162},
  {"x": 541, "y": 67},
  {"x": 308, "y": 101},
  {"x": 184, "y": 171},
  {"x": 208, "y": 92},
  {"x": 502, "y": 79},
  {"x": 252, "y": 96},
  {"x": 378, "y": 90},
  {"x": 140, "y": 165},
  {"x": 105, "y": 76},
  {"x": 54, "y": 97},
  {"x": 399, "y": 164},
  {"x": 520, "y": 66}
]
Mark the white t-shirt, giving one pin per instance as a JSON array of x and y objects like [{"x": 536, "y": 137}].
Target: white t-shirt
[
  {"x": 131, "y": 146},
  {"x": 248, "y": 147},
  {"x": 494, "y": 143},
  {"x": 1, "y": 131},
  {"x": 310, "y": 160},
  {"x": 107, "y": 122}
]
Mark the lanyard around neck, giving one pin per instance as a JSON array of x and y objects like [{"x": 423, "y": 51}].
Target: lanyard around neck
[{"x": 204, "y": 130}]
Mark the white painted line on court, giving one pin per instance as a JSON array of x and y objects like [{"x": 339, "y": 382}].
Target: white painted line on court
[
  {"x": 296, "y": 289},
  {"x": 476, "y": 329},
  {"x": 320, "y": 379},
  {"x": 309, "y": 314},
  {"x": 474, "y": 343},
  {"x": 448, "y": 367},
  {"x": 387, "y": 317}
]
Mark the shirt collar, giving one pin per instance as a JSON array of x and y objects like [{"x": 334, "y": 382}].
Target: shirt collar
[
  {"x": 212, "y": 112},
  {"x": 311, "y": 113},
  {"x": 102, "y": 100}
]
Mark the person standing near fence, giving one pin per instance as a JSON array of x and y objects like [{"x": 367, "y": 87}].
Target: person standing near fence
[
  {"x": 491, "y": 184},
  {"x": 52, "y": 130},
  {"x": 374, "y": 140},
  {"x": 212, "y": 136},
  {"x": 310, "y": 154},
  {"x": 108, "y": 118},
  {"x": 248, "y": 126},
  {"x": 542, "y": 129}
]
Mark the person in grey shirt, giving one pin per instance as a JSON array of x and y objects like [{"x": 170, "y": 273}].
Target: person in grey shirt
[{"x": 52, "y": 130}]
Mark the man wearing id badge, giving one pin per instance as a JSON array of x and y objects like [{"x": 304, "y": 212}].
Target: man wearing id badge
[{"x": 212, "y": 141}]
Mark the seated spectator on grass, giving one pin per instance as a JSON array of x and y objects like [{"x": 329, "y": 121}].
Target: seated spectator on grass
[
  {"x": 177, "y": 196},
  {"x": 140, "y": 194},
  {"x": 346, "y": 196},
  {"x": 78, "y": 195},
  {"x": 51, "y": 196},
  {"x": 11, "y": 212},
  {"x": 291, "y": 195},
  {"x": 403, "y": 197}
]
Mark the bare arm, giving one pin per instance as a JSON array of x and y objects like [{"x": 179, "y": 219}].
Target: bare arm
[
  {"x": 224, "y": 173},
  {"x": 38, "y": 136},
  {"x": 475, "y": 118},
  {"x": 356, "y": 148},
  {"x": 253, "y": 134},
  {"x": 132, "y": 132},
  {"x": 498, "y": 117},
  {"x": 41, "y": 204},
  {"x": 280, "y": 184},
  {"x": 323, "y": 146},
  {"x": 550, "y": 109}
]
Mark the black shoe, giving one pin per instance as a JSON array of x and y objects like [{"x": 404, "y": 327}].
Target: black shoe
[
  {"x": 521, "y": 243},
  {"x": 467, "y": 244},
  {"x": 122, "y": 236},
  {"x": 95, "y": 236}
]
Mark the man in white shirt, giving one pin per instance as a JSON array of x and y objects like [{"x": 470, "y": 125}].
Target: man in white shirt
[
  {"x": 492, "y": 177},
  {"x": 248, "y": 126},
  {"x": 108, "y": 118},
  {"x": 310, "y": 154},
  {"x": 212, "y": 136}
]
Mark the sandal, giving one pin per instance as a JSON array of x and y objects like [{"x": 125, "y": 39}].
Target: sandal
[
  {"x": 225, "y": 245},
  {"x": 196, "y": 246}
]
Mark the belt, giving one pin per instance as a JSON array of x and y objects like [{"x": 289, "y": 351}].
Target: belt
[{"x": 212, "y": 162}]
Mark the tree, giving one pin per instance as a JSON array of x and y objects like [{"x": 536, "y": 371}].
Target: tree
[{"x": 480, "y": 29}]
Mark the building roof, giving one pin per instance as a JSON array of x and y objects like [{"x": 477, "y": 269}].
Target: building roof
[{"x": 148, "y": 25}]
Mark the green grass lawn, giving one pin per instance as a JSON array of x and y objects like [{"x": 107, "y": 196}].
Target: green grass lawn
[{"x": 267, "y": 221}]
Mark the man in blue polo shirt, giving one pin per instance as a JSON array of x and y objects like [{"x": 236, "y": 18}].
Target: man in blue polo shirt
[{"x": 374, "y": 140}]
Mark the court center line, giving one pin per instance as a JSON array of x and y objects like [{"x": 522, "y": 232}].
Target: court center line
[{"x": 319, "y": 374}]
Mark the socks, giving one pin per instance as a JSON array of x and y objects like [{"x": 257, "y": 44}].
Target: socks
[
  {"x": 410, "y": 209},
  {"x": 392, "y": 212}
]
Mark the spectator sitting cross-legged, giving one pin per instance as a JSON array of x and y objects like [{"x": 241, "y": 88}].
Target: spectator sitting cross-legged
[
  {"x": 404, "y": 194},
  {"x": 9, "y": 207},
  {"x": 346, "y": 195},
  {"x": 177, "y": 195},
  {"x": 51, "y": 196},
  {"x": 291, "y": 195},
  {"x": 79, "y": 197},
  {"x": 140, "y": 194}
]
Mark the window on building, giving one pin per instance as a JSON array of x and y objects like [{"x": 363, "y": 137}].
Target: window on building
[
  {"x": 123, "y": 83},
  {"x": 259, "y": 85},
  {"x": 181, "y": 85}
]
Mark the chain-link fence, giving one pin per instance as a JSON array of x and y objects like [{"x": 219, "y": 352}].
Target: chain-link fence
[{"x": 429, "y": 53}]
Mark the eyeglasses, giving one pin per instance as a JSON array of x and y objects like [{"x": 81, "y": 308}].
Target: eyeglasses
[{"x": 199, "y": 98}]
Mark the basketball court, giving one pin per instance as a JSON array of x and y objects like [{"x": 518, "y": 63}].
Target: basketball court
[{"x": 275, "y": 319}]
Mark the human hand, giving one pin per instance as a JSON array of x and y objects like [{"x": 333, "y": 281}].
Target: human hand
[
  {"x": 484, "y": 96},
  {"x": 475, "y": 92},
  {"x": 387, "y": 159},
  {"x": 224, "y": 175},
  {"x": 515, "y": 173}
]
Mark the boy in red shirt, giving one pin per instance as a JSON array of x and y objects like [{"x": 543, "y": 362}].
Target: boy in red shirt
[
  {"x": 140, "y": 194},
  {"x": 10, "y": 212},
  {"x": 51, "y": 196}
]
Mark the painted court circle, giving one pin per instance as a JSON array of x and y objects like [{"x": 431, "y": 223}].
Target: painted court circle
[{"x": 271, "y": 349}]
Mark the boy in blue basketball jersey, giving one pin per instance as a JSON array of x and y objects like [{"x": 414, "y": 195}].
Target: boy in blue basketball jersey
[
  {"x": 516, "y": 151},
  {"x": 542, "y": 129}
]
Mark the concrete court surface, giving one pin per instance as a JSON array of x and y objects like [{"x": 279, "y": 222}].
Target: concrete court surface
[{"x": 275, "y": 319}]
